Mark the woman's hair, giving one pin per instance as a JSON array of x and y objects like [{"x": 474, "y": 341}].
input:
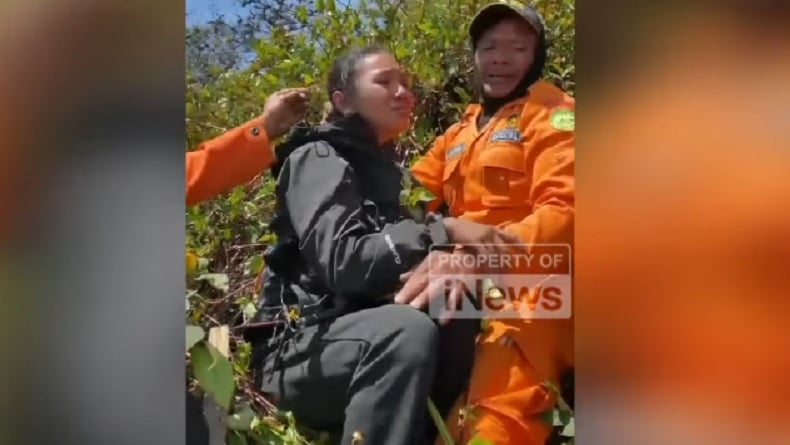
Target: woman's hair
[{"x": 343, "y": 75}]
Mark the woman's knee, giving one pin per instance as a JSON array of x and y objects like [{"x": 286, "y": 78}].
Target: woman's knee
[{"x": 411, "y": 335}]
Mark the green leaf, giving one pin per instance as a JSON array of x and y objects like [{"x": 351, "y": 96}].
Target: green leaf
[
  {"x": 214, "y": 373},
  {"x": 249, "y": 311},
  {"x": 403, "y": 197},
  {"x": 242, "y": 420},
  {"x": 547, "y": 417},
  {"x": 194, "y": 335},
  {"x": 439, "y": 422},
  {"x": 290, "y": 420},
  {"x": 302, "y": 13},
  {"x": 479, "y": 441},
  {"x": 552, "y": 386},
  {"x": 249, "y": 209},
  {"x": 217, "y": 280},
  {"x": 236, "y": 196},
  {"x": 237, "y": 438},
  {"x": 268, "y": 238},
  {"x": 419, "y": 195},
  {"x": 561, "y": 417},
  {"x": 256, "y": 264},
  {"x": 569, "y": 430},
  {"x": 463, "y": 94}
]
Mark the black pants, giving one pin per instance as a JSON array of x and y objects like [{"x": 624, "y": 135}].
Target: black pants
[{"x": 371, "y": 373}]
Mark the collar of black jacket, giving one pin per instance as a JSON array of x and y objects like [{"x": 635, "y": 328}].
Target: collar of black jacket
[{"x": 350, "y": 134}]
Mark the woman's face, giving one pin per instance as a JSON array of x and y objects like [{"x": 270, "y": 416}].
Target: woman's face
[
  {"x": 504, "y": 54},
  {"x": 382, "y": 95}
]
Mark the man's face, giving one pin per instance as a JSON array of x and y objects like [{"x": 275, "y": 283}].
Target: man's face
[{"x": 504, "y": 54}]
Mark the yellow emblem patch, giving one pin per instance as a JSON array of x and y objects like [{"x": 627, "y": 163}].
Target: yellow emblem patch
[
  {"x": 513, "y": 120},
  {"x": 563, "y": 119}
]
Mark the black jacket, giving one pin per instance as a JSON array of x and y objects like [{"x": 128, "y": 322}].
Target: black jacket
[{"x": 344, "y": 238}]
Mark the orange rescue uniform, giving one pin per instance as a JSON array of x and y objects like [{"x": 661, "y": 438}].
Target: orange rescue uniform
[
  {"x": 516, "y": 173},
  {"x": 231, "y": 159}
]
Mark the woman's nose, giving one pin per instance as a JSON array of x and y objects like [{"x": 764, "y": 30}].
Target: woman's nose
[{"x": 402, "y": 93}]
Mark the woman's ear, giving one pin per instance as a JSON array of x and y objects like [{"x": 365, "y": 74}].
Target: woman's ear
[{"x": 340, "y": 100}]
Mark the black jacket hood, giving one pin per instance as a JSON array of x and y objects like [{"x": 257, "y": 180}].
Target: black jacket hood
[{"x": 351, "y": 135}]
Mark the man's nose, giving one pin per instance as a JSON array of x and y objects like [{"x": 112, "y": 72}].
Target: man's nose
[{"x": 499, "y": 57}]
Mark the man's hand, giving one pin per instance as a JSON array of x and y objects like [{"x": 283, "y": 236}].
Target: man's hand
[
  {"x": 284, "y": 109},
  {"x": 428, "y": 281},
  {"x": 479, "y": 238}
]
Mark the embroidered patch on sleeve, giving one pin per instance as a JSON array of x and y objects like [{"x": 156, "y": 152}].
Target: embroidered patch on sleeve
[
  {"x": 563, "y": 119},
  {"x": 454, "y": 151}
]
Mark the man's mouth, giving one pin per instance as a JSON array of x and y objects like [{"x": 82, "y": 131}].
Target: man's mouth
[{"x": 499, "y": 78}]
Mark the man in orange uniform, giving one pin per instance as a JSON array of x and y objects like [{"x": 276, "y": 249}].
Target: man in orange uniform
[
  {"x": 509, "y": 162},
  {"x": 242, "y": 153}
]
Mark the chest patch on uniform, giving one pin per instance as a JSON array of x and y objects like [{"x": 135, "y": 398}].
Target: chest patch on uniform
[
  {"x": 512, "y": 121},
  {"x": 563, "y": 119},
  {"x": 508, "y": 134},
  {"x": 455, "y": 151}
]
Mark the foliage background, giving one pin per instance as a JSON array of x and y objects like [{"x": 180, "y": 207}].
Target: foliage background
[{"x": 233, "y": 64}]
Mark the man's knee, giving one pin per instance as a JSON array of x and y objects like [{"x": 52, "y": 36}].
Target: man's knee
[{"x": 410, "y": 335}]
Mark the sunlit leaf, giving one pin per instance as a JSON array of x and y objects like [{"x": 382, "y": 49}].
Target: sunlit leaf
[
  {"x": 217, "y": 280},
  {"x": 214, "y": 373},
  {"x": 194, "y": 334}
]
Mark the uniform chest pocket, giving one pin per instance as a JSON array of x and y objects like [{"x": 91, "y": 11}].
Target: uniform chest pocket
[
  {"x": 503, "y": 176},
  {"x": 451, "y": 181}
]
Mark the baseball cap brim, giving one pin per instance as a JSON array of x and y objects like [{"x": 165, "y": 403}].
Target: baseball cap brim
[{"x": 495, "y": 12}]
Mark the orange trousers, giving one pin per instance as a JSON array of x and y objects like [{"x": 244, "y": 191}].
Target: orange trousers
[{"x": 506, "y": 397}]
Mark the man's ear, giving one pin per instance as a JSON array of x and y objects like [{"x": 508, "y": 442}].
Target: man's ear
[{"x": 340, "y": 100}]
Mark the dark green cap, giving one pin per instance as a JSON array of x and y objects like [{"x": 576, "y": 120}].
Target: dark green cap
[{"x": 494, "y": 12}]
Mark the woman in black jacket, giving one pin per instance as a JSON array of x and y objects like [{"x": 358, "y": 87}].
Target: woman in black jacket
[{"x": 343, "y": 356}]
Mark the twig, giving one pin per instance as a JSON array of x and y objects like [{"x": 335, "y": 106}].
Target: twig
[
  {"x": 258, "y": 400},
  {"x": 247, "y": 246},
  {"x": 207, "y": 125}
]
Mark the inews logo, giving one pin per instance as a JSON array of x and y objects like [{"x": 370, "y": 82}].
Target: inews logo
[{"x": 518, "y": 281}]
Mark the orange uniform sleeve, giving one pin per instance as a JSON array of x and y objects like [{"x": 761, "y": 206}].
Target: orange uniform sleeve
[
  {"x": 226, "y": 161},
  {"x": 429, "y": 170},
  {"x": 551, "y": 158}
]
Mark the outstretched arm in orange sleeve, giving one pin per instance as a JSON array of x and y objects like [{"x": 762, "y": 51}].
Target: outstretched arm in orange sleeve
[
  {"x": 240, "y": 154},
  {"x": 553, "y": 187},
  {"x": 231, "y": 159}
]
